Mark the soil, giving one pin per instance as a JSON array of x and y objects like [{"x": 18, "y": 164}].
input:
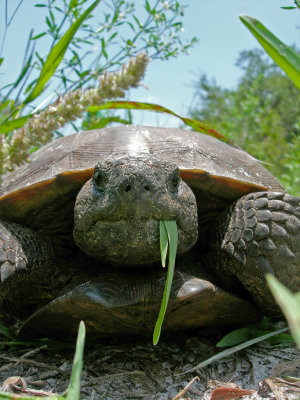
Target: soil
[{"x": 138, "y": 370}]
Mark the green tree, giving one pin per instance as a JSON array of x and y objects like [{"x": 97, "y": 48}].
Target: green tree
[{"x": 261, "y": 114}]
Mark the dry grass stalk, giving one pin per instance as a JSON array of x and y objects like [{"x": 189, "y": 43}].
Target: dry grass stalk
[{"x": 15, "y": 148}]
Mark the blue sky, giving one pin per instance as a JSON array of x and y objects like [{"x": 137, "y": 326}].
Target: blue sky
[{"x": 221, "y": 37}]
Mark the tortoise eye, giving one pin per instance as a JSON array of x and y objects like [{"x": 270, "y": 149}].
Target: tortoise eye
[{"x": 99, "y": 180}]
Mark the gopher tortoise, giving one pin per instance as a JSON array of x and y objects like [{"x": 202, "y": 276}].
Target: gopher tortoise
[{"x": 79, "y": 234}]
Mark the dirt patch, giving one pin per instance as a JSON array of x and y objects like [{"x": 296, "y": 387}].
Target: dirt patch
[{"x": 141, "y": 371}]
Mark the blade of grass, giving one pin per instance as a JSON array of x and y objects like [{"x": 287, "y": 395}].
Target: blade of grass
[
  {"x": 232, "y": 350},
  {"x": 13, "y": 396},
  {"x": 283, "y": 55},
  {"x": 289, "y": 303},
  {"x": 103, "y": 122},
  {"x": 73, "y": 391},
  {"x": 57, "y": 53},
  {"x": 9, "y": 126},
  {"x": 171, "y": 229},
  {"x": 241, "y": 335},
  {"x": 163, "y": 235},
  {"x": 136, "y": 105}
]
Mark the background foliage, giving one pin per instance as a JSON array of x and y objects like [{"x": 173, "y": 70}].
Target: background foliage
[
  {"x": 111, "y": 33},
  {"x": 261, "y": 114},
  {"x": 84, "y": 39}
]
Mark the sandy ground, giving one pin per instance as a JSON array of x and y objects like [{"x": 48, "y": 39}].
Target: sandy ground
[{"x": 138, "y": 370}]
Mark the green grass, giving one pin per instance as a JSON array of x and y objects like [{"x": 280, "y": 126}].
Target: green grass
[
  {"x": 73, "y": 391},
  {"x": 168, "y": 240}
]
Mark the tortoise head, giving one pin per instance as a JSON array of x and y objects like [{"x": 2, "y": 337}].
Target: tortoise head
[{"x": 117, "y": 212}]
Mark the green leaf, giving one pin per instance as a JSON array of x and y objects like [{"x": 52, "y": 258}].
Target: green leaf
[
  {"x": 73, "y": 391},
  {"x": 289, "y": 304},
  {"x": 171, "y": 229},
  {"x": 73, "y": 4},
  {"x": 56, "y": 54},
  {"x": 283, "y": 338},
  {"x": 250, "y": 332},
  {"x": 163, "y": 235},
  {"x": 147, "y": 6},
  {"x": 14, "y": 124},
  {"x": 284, "y": 56},
  {"x": 1, "y": 60},
  {"x": 235, "y": 337},
  {"x": 38, "y": 36},
  {"x": 103, "y": 122},
  {"x": 49, "y": 24},
  {"x": 4, "y": 104},
  {"x": 232, "y": 350},
  {"x": 52, "y": 16},
  {"x": 136, "y": 105}
]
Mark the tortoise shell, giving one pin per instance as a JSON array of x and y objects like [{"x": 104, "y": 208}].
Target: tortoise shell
[{"x": 48, "y": 184}]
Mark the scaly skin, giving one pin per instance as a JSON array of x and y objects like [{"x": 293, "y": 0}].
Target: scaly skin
[
  {"x": 21, "y": 247},
  {"x": 259, "y": 234},
  {"x": 27, "y": 261}
]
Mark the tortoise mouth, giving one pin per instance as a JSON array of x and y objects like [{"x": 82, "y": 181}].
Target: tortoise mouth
[{"x": 130, "y": 242}]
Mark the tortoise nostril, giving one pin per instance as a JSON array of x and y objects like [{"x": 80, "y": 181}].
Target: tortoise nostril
[
  {"x": 128, "y": 187},
  {"x": 147, "y": 188}
]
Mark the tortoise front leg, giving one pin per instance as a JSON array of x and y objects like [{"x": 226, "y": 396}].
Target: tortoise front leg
[
  {"x": 28, "y": 271},
  {"x": 21, "y": 247},
  {"x": 260, "y": 234}
]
